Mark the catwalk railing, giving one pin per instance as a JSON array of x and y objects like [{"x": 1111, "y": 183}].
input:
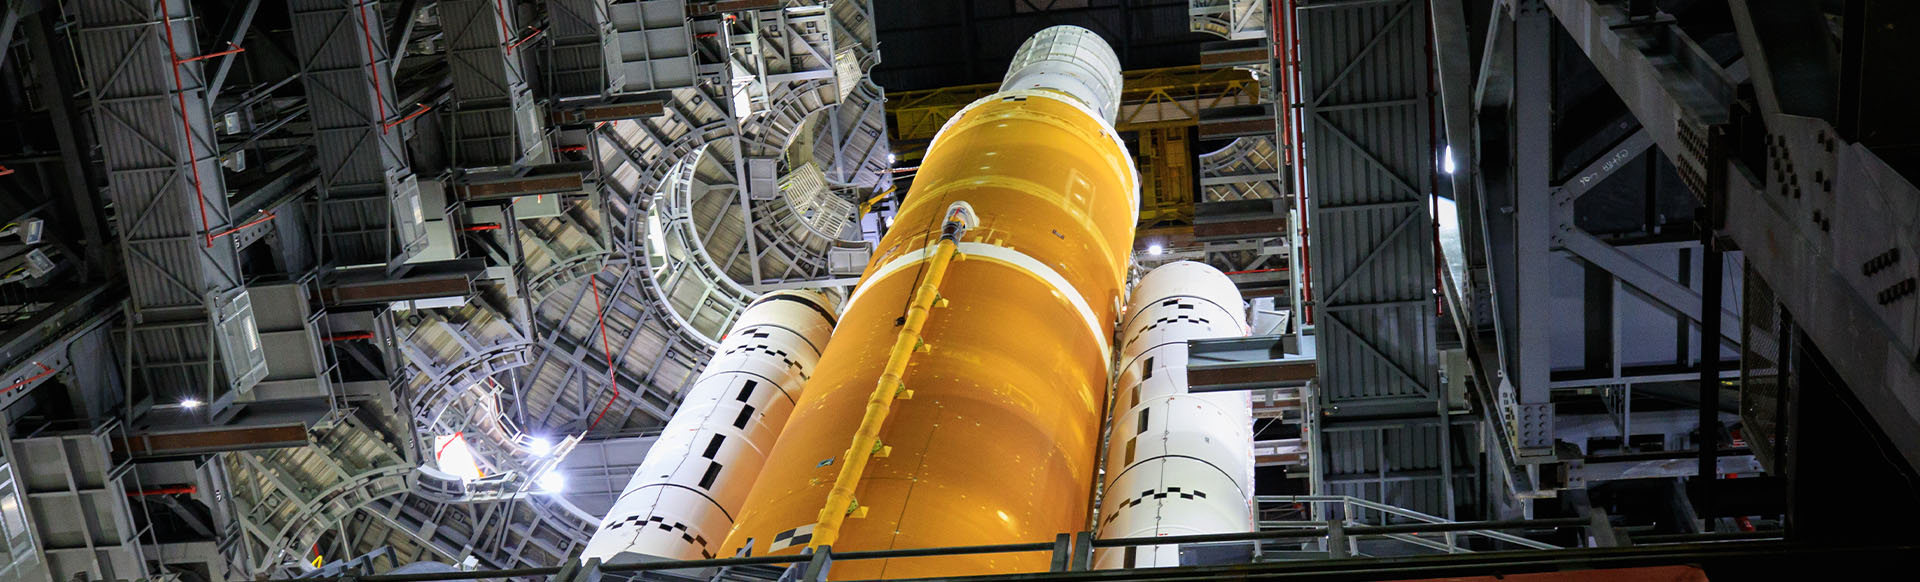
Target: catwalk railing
[{"x": 1070, "y": 552}]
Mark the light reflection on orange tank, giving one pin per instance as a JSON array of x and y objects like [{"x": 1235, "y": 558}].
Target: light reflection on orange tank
[{"x": 998, "y": 442}]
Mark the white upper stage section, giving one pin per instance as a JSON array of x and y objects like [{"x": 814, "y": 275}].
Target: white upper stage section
[{"x": 1071, "y": 60}]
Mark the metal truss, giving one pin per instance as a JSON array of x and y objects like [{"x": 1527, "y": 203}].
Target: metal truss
[
  {"x": 700, "y": 292},
  {"x": 1247, "y": 168},
  {"x": 288, "y": 500},
  {"x": 582, "y": 58},
  {"x": 1847, "y": 215},
  {"x": 560, "y": 250},
  {"x": 595, "y": 331},
  {"x": 567, "y": 385},
  {"x": 1370, "y": 170},
  {"x": 192, "y": 329},
  {"x": 1382, "y": 429},
  {"x": 368, "y": 211},
  {"x": 1169, "y": 97},
  {"x": 1578, "y": 247},
  {"x": 493, "y": 122},
  {"x": 1228, "y": 19},
  {"x": 851, "y": 145}
]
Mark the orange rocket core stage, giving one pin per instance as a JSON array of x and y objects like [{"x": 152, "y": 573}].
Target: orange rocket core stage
[{"x": 998, "y": 442}]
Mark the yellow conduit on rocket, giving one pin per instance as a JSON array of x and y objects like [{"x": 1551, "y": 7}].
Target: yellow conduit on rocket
[{"x": 996, "y": 442}]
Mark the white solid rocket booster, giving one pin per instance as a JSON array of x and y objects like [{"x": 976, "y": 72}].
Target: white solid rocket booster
[
  {"x": 683, "y": 499},
  {"x": 1177, "y": 463}
]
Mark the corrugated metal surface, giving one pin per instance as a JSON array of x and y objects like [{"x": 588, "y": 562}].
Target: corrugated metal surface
[
  {"x": 158, "y": 147},
  {"x": 851, "y": 146},
  {"x": 583, "y": 59},
  {"x": 290, "y": 498},
  {"x": 1399, "y": 464},
  {"x": 1246, "y": 168},
  {"x": 361, "y": 161},
  {"x": 494, "y": 124},
  {"x": 1369, "y": 160},
  {"x": 1370, "y": 165}
]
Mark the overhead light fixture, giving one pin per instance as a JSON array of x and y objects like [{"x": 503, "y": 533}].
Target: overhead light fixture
[
  {"x": 190, "y": 404},
  {"x": 551, "y": 481},
  {"x": 540, "y": 447},
  {"x": 890, "y": 158},
  {"x": 1156, "y": 250},
  {"x": 455, "y": 458},
  {"x": 1446, "y": 161}
]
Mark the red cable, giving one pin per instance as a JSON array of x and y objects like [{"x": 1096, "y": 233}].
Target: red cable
[
  {"x": 502, "y": 25},
  {"x": 1295, "y": 127},
  {"x": 36, "y": 377},
  {"x": 593, "y": 283},
  {"x": 266, "y": 217},
  {"x": 423, "y": 109},
  {"x": 1434, "y": 127},
  {"x": 443, "y": 446},
  {"x": 174, "y": 490},
  {"x": 235, "y": 50},
  {"x": 180, "y": 93},
  {"x": 530, "y": 36},
  {"x": 379, "y": 98}
]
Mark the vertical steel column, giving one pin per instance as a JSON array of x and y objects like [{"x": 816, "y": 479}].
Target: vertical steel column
[
  {"x": 1711, "y": 283},
  {"x": 1528, "y": 348}
]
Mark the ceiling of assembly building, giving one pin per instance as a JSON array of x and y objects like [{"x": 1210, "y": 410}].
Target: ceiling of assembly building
[{"x": 945, "y": 44}]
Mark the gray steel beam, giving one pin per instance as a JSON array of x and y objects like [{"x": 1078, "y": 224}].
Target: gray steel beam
[
  {"x": 34, "y": 350},
  {"x": 1806, "y": 246},
  {"x": 1712, "y": 285},
  {"x": 1454, "y": 68},
  {"x": 58, "y": 84},
  {"x": 583, "y": 57},
  {"x": 1654, "y": 284},
  {"x": 1378, "y": 357},
  {"x": 234, "y": 38},
  {"x": 1669, "y": 83},
  {"x": 405, "y": 18},
  {"x": 15, "y": 11},
  {"x": 1790, "y": 55},
  {"x": 1604, "y": 167},
  {"x": 1810, "y": 247}
]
